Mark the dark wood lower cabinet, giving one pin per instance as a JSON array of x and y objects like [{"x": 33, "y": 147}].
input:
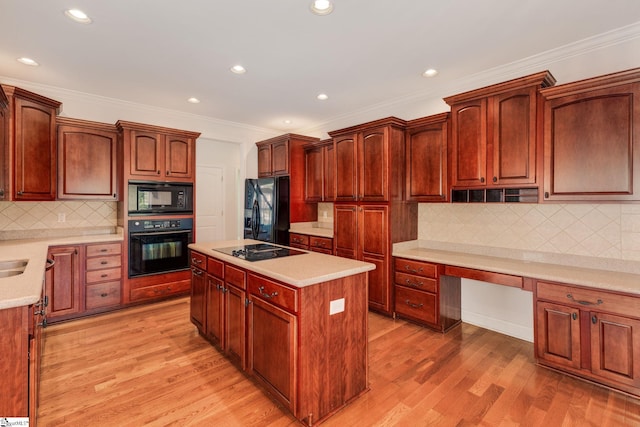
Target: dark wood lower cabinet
[
  {"x": 591, "y": 333},
  {"x": 311, "y": 359}
]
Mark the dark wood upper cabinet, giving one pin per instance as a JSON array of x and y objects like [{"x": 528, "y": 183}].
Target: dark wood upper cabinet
[
  {"x": 4, "y": 147},
  {"x": 87, "y": 160},
  {"x": 494, "y": 133},
  {"x": 426, "y": 162},
  {"x": 32, "y": 145},
  {"x": 319, "y": 166},
  {"x": 369, "y": 161},
  {"x": 592, "y": 139},
  {"x": 158, "y": 153}
]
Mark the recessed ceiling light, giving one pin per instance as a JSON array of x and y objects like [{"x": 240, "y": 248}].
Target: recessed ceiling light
[
  {"x": 238, "y": 69},
  {"x": 431, "y": 72},
  {"x": 193, "y": 100},
  {"x": 28, "y": 61},
  {"x": 323, "y": 97},
  {"x": 287, "y": 122},
  {"x": 78, "y": 16},
  {"x": 321, "y": 7}
]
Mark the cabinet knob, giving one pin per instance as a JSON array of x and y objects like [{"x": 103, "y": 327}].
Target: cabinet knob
[
  {"x": 482, "y": 179},
  {"x": 495, "y": 179},
  {"x": 594, "y": 319},
  {"x": 546, "y": 194},
  {"x": 158, "y": 172}
]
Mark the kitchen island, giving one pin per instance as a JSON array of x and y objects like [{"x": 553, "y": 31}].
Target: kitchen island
[{"x": 295, "y": 324}]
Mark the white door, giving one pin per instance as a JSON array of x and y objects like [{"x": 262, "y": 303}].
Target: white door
[{"x": 209, "y": 204}]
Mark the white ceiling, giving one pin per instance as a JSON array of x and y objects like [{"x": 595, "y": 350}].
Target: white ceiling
[{"x": 366, "y": 53}]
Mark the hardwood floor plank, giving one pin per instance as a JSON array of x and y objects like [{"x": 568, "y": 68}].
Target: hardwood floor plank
[{"x": 147, "y": 366}]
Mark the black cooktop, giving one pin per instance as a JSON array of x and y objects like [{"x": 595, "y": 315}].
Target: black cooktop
[{"x": 259, "y": 251}]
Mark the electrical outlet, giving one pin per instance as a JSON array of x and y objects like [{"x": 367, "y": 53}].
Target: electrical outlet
[{"x": 62, "y": 217}]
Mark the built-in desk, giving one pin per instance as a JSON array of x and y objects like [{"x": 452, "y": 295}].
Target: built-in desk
[{"x": 586, "y": 314}]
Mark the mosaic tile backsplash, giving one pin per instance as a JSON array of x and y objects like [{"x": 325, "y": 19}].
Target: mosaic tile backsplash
[
  {"x": 597, "y": 230},
  {"x": 18, "y": 218}
]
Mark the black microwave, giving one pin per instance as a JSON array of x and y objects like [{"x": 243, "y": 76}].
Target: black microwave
[{"x": 160, "y": 198}]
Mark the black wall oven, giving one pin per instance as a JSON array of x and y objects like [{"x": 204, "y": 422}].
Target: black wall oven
[{"x": 159, "y": 246}]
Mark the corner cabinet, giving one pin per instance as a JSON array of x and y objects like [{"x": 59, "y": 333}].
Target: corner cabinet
[
  {"x": 494, "y": 133},
  {"x": 87, "y": 160},
  {"x": 594, "y": 334},
  {"x": 32, "y": 145},
  {"x": 426, "y": 166},
  {"x": 157, "y": 153},
  {"x": 592, "y": 139}
]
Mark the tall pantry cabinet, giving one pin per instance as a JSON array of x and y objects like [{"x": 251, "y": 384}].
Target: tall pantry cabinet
[{"x": 370, "y": 213}]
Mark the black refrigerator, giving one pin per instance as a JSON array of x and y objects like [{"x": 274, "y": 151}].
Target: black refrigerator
[{"x": 266, "y": 209}]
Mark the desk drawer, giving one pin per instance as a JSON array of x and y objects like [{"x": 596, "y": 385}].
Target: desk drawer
[
  {"x": 418, "y": 305},
  {"x": 418, "y": 268},
  {"x": 589, "y": 299},
  {"x": 417, "y": 282}
]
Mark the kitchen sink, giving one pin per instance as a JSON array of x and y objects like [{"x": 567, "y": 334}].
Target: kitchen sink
[{"x": 12, "y": 268}]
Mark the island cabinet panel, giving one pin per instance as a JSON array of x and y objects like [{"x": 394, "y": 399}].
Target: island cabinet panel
[
  {"x": 592, "y": 139},
  {"x": 307, "y": 346},
  {"x": 87, "y": 160},
  {"x": 591, "y": 333},
  {"x": 425, "y": 295},
  {"x": 494, "y": 133}
]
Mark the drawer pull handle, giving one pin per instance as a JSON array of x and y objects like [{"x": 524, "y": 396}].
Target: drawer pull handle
[
  {"x": 413, "y": 270},
  {"x": 412, "y": 305},
  {"x": 104, "y": 295},
  {"x": 104, "y": 262},
  {"x": 266, "y": 295},
  {"x": 104, "y": 275},
  {"x": 583, "y": 302},
  {"x": 103, "y": 250},
  {"x": 414, "y": 284},
  {"x": 196, "y": 261}
]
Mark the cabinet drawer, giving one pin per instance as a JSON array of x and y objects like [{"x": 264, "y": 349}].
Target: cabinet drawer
[
  {"x": 215, "y": 268},
  {"x": 198, "y": 260},
  {"x": 103, "y": 295},
  {"x": 418, "y": 268},
  {"x": 320, "y": 243},
  {"x": 158, "y": 291},
  {"x": 104, "y": 262},
  {"x": 418, "y": 305},
  {"x": 273, "y": 292},
  {"x": 104, "y": 275},
  {"x": 299, "y": 239},
  {"x": 235, "y": 276},
  {"x": 588, "y": 299},
  {"x": 417, "y": 282},
  {"x": 104, "y": 249}
]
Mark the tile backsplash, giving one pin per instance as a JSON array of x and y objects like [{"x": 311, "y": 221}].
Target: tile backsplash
[
  {"x": 18, "y": 218},
  {"x": 596, "y": 230}
]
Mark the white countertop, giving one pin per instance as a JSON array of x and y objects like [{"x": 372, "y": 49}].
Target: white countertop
[
  {"x": 298, "y": 270},
  {"x": 600, "y": 278},
  {"x": 26, "y": 288},
  {"x": 311, "y": 228}
]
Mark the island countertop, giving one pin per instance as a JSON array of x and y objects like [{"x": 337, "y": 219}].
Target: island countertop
[{"x": 298, "y": 270}]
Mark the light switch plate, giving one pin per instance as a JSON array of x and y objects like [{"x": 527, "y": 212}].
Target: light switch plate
[{"x": 336, "y": 306}]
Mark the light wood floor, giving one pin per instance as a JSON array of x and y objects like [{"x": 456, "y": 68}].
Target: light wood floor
[{"x": 148, "y": 366}]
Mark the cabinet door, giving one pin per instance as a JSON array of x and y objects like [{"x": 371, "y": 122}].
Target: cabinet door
[
  {"x": 63, "y": 282},
  {"x": 87, "y": 165},
  {"x": 264, "y": 160},
  {"x": 4, "y": 147},
  {"x": 35, "y": 151},
  {"x": 198, "y": 298},
  {"x": 514, "y": 137},
  {"x": 147, "y": 154},
  {"x": 373, "y": 165},
  {"x": 558, "y": 334},
  {"x": 345, "y": 230},
  {"x": 615, "y": 348},
  {"x": 329, "y": 189},
  {"x": 373, "y": 247},
  {"x": 346, "y": 168},
  {"x": 469, "y": 143},
  {"x": 592, "y": 145},
  {"x": 235, "y": 325},
  {"x": 313, "y": 160},
  {"x": 280, "y": 158},
  {"x": 426, "y": 163},
  {"x": 179, "y": 156},
  {"x": 273, "y": 348},
  {"x": 215, "y": 311}
]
